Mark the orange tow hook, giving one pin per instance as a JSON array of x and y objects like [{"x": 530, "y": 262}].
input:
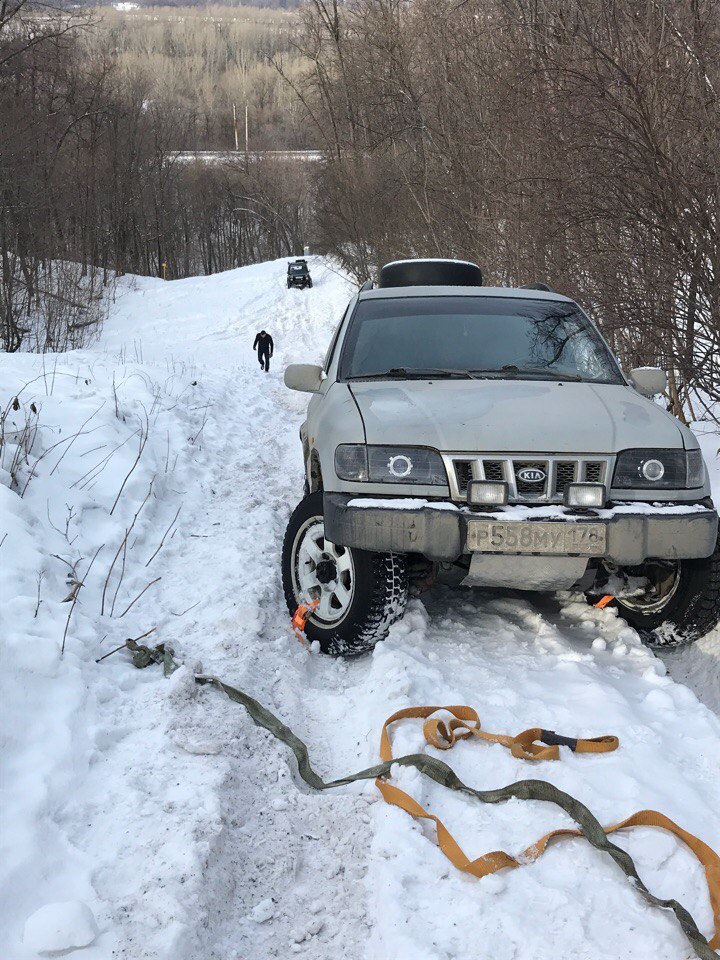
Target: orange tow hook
[
  {"x": 300, "y": 619},
  {"x": 604, "y": 601}
]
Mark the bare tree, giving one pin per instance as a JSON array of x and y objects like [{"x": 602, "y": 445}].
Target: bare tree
[{"x": 568, "y": 140}]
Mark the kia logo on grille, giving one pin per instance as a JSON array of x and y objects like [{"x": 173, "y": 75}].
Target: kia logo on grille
[{"x": 531, "y": 475}]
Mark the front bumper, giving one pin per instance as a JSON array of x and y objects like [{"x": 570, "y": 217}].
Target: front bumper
[{"x": 438, "y": 530}]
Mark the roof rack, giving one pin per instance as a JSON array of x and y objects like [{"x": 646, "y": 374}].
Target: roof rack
[{"x": 368, "y": 285}]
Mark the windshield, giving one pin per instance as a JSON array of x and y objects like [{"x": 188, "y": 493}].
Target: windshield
[{"x": 482, "y": 337}]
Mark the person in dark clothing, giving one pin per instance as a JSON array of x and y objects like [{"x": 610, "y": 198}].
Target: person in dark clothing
[{"x": 265, "y": 347}]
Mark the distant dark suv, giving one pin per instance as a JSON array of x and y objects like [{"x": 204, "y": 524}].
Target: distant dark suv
[{"x": 298, "y": 274}]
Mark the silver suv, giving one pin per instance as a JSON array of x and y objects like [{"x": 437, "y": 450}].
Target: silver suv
[{"x": 489, "y": 436}]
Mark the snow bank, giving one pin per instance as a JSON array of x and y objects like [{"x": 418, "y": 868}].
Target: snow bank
[
  {"x": 96, "y": 445},
  {"x": 150, "y": 819},
  {"x": 99, "y": 456}
]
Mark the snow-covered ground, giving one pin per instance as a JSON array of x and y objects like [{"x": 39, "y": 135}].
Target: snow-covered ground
[{"x": 148, "y": 819}]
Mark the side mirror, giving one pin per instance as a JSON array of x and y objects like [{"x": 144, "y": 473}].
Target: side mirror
[
  {"x": 649, "y": 380},
  {"x": 305, "y": 377}
]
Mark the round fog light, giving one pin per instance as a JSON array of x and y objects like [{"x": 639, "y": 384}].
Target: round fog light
[{"x": 653, "y": 470}]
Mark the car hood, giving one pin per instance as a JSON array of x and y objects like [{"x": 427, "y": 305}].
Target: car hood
[{"x": 524, "y": 416}]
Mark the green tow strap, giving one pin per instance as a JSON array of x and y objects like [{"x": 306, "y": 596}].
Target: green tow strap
[{"x": 441, "y": 773}]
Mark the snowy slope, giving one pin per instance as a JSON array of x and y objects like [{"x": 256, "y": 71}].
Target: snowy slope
[{"x": 159, "y": 805}]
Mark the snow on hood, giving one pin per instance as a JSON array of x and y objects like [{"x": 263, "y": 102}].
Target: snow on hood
[{"x": 513, "y": 415}]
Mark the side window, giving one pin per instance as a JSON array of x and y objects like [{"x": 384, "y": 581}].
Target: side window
[{"x": 333, "y": 343}]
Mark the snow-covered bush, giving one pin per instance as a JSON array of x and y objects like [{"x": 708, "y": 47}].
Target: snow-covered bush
[{"x": 50, "y": 307}]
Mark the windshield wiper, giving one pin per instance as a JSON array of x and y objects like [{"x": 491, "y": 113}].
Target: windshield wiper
[
  {"x": 514, "y": 370},
  {"x": 405, "y": 373},
  {"x": 552, "y": 374},
  {"x": 509, "y": 368}
]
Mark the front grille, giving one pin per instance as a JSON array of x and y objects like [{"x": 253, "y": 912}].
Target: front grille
[
  {"x": 557, "y": 472},
  {"x": 565, "y": 473},
  {"x": 463, "y": 475},
  {"x": 494, "y": 470}
]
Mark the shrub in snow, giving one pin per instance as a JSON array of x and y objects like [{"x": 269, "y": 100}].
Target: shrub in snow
[
  {"x": 51, "y": 306},
  {"x": 18, "y": 430}
]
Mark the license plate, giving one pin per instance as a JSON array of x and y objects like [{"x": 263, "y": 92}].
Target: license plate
[{"x": 497, "y": 536}]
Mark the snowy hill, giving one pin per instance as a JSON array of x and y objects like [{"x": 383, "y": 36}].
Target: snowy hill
[{"x": 157, "y": 472}]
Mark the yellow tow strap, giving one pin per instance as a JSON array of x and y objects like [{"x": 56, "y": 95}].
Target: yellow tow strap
[{"x": 525, "y": 746}]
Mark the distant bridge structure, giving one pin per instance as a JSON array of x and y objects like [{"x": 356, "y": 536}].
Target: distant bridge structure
[{"x": 241, "y": 156}]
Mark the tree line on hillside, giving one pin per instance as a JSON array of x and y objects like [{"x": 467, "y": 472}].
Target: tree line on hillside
[
  {"x": 569, "y": 141},
  {"x": 199, "y": 62},
  {"x": 186, "y": 4},
  {"x": 92, "y": 184}
]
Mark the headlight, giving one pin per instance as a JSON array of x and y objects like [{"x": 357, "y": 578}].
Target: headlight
[
  {"x": 659, "y": 470},
  {"x": 390, "y": 465},
  {"x": 351, "y": 461}
]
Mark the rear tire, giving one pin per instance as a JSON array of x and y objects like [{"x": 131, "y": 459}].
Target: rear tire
[
  {"x": 361, "y": 593},
  {"x": 691, "y": 608}
]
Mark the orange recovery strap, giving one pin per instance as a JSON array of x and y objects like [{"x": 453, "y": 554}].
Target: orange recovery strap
[
  {"x": 299, "y": 620},
  {"x": 526, "y": 746},
  {"x": 533, "y": 744}
]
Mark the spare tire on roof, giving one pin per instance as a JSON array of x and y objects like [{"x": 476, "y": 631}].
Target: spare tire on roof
[{"x": 431, "y": 273}]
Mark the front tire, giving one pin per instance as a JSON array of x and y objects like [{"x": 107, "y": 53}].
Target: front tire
[
  {"x": 361, "y": 593},
  {"x": 682, "y": 605}
]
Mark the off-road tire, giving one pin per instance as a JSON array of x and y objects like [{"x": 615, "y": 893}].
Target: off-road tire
[
  {"x": 380, "y": 591},
  {"x": 692, "y": 612}
]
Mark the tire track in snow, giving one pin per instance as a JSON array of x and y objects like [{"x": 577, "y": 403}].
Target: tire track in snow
[
  {"x": 282, "y": 851},
  {"x": 282, "y": 866},
  {"x": 262, "y": 878}
]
